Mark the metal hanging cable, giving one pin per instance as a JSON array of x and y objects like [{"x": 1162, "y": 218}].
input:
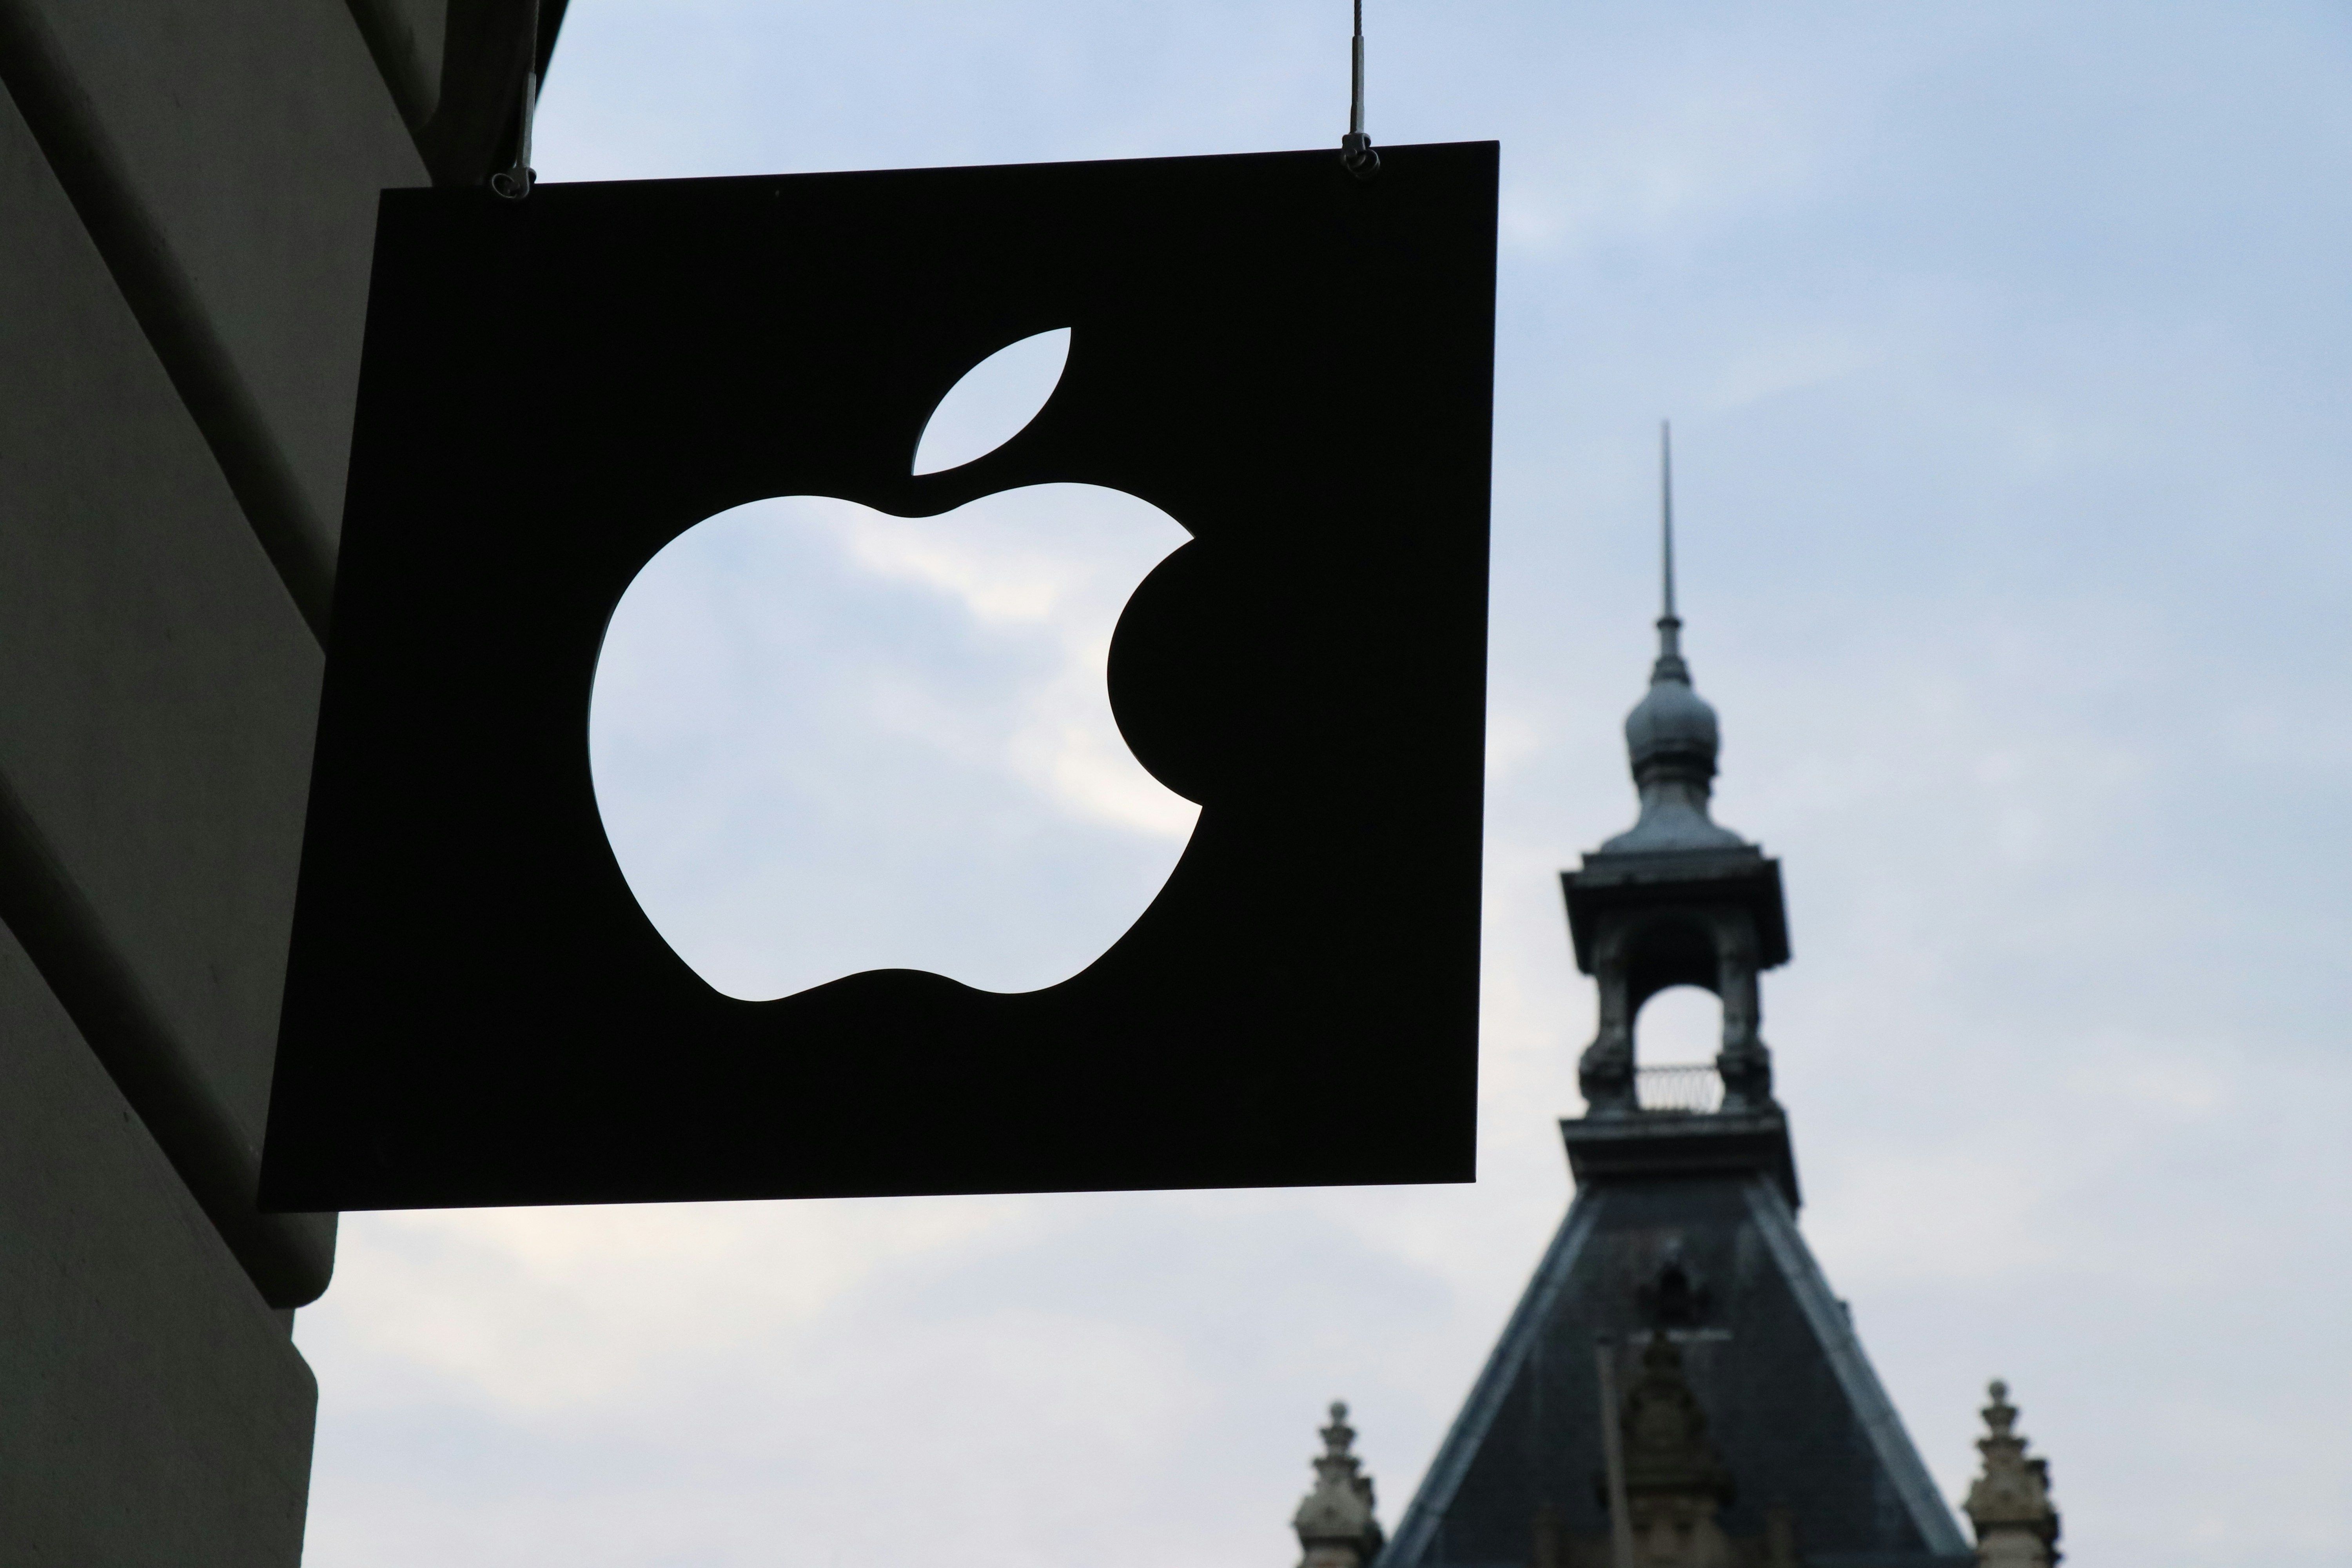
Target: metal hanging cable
[
  {"x": 1356, "y": 148},
  {"x": 515, "y": 183}
]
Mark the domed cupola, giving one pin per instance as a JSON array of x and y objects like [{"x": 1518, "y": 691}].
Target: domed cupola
[
  {"x": 1675, "y": 900},
  {"x": 1672, "y": 739},
  {"x": 1674, "y": 726}
]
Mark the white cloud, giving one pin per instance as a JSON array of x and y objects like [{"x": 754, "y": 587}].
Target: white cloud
[{"x": 2007, "y": 348}]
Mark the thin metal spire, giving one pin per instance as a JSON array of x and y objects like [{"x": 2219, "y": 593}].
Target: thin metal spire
[
  {"x": 1670, "y": 666},
  {"x": 1666, "y": 507}
]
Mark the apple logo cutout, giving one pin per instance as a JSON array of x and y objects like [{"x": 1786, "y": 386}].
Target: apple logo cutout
[{"x": 824, "y": 739}]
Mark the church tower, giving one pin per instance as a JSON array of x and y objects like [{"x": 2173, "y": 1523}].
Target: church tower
[{"x": 1679, "y": 1387}]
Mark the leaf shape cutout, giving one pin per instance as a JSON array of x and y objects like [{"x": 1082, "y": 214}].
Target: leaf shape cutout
[{"x": 994, "y": 402}]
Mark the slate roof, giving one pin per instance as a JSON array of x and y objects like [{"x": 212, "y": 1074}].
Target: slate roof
[
  {"x": 1792, "y": 1401},
  {"x": 1684, "y": 1223}
]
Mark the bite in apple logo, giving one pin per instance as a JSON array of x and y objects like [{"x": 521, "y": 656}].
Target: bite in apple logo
[{"x": 825, "y": 740}]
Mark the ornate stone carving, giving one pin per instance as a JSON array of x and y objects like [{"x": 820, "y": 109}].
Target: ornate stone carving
[
  {"x": 2010, "y": 1504},
  {"x": 1675, "y": 1483},
  {"x": 1335, "y": 1524},
  {"x": 1674, "y": 1298}
]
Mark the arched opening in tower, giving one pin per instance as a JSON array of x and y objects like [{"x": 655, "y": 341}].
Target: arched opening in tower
[{"x": 1676, "y": 1035}]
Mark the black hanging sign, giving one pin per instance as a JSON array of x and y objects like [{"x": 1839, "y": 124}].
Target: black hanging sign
[{"x": 1293, "y": 364}]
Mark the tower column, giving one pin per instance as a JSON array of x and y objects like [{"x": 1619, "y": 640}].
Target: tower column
[
  {"x": 1604, "y": 1075},
  {"x": 1744, "y": 1064}
]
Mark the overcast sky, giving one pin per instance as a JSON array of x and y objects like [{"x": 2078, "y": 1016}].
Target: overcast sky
[{"x": 2009, "y": 353}]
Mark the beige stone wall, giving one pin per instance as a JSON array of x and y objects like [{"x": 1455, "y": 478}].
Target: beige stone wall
[{"x": 189, "y": 189}]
